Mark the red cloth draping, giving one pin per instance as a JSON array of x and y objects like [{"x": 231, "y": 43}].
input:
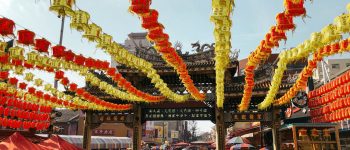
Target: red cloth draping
[{"x": 18, "y": 142}]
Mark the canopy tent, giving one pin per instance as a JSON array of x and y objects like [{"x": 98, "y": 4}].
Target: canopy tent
[
  {"x": 57, "y": 143},
  {"x": 99, "y": 142},
  {"x": 18, "y": 142},
  {"x": 237, "y": 140},
  {"x": 241, "y": 146}
]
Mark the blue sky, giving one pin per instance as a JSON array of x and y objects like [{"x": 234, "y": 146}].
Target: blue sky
[{"x": 186, "y": 21}]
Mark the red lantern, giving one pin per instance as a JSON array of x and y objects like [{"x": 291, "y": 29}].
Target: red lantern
[
  {"x": 13, "y": 81},
  {"x": 90, "y": 62},
  {"x": 284, "y": 22},
  {"x": 105, "y": 65},
  {"x": 111, "y": 71},
  {"x": 79, "y": 59},
  {"x": 73, "y": 86},
  {"x": 59, "y": 75},
  {"x": 150, "y": 17},
  {"x": 69, "y": 55},
  {"x": 80, "y": 91},
  {"x": 27, "y": 65},
  {"x": 4, "y": 59},
  {"x": 42, "y": 45},
  {"x": 344, "y": 44},
  {"x": 6, "y": 26},
  {"x": 17, "y": 62},
  {"x": 58, "y": 51},
  {"x": 26, "y": 37},
  {"x": 4, "y": 75},
  {"x": 140, "y": 6},
  {"x": 65, "y": 81},
  {"x": 31, "y": 90}
]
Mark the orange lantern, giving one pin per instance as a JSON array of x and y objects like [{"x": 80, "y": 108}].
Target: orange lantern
[
  {"x": 294, "y": 8},
  {"x": 284, "y": 22}
]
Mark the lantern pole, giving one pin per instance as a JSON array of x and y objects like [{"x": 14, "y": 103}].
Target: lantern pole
[{"x": 50, "y": 130}]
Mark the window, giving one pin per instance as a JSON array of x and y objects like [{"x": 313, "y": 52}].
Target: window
[
  {"x": 335, "y": 66},
  {"x": 347, "y": 64}
]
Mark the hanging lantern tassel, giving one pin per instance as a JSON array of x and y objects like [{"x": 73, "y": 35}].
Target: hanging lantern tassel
[
  {"x": 80, "y": 20},
  {"x": 62, "y": 7},
  {"x": 93, "y": 33}
]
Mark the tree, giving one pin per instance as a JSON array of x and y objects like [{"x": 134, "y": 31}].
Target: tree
[{"x": 193, "y": 130}]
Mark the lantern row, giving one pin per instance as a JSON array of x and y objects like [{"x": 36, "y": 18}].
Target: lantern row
[
  {"x": 262, "y": 52},
  {"x": 93, "y": 102},
  {"x": 17, "y": 59},
  {"x": 331, "y": 102},
  {"x": 92, "y": 32},
  {"x": 301, "y": 82},
  {"x": 26, "y": 37},
  {"x": 156, "y": 34},
  {"x": 330, "y": 33},
  {"x": 221, "y": 11}
]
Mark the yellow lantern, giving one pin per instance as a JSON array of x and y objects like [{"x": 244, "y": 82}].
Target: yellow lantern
[
  {"x": 11, "y": 90},
  {"x": 3, "y": 46},
  {"x": 62, "y": 7},
  {"x": 16, "y": 52},
  {"x": 342, "y": 23},
  {"x": 93, "y": 33},
  {"x": 105, "y": 42},
  {"x": 80, "y": 20},
  {"x": 29, "y": 77},
  {"x": 47, "y": 87},
  {"x": 32, "y": 57},
  {"x": 19, "y": 70},
  {"x": 38, "y": 82}
]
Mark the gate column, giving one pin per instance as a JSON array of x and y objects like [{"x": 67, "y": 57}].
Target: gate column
[
  {"x": 220, "y": 128},
  {"x": 87, "y": 130},
  {"x": 137, "y": 128}
]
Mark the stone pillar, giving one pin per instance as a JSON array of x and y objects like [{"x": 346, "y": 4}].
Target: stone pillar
[
  {"x": 137, "y": 128},
  {"x": 220, "y": 129},
  {"x": 87, "y": 131}
]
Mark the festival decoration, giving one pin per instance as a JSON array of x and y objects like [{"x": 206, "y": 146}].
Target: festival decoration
[
  {"x": 62, "y": 7},
  {"x": 93, "y": 33},
  {"x": 26, "y": 37},
  {"x": 42, "y": 45},
  {"x": 301, "y": 82},
  {"x": 162, "y": 44},
  {"x": 80, "y": 20},
  {"x": 221, "y": 19},
  {"x": 330, "y": 33},
  {"x": 6, "y": 27},
  {"x": 263, "y": 51}
]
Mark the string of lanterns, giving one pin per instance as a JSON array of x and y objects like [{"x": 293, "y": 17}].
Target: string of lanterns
[
  {"x": 330, "y": 102},
  {"x": 93, "y": 33},
  {"x": 301, "y": 82},
  {"x": 222, "y": 33},
  {"x": 26, "y": 37},
  {"x": 328, "y": 34},
  {"x": 262, "y": 52},
  {"x": 149, "y": 18},
  {"x": 93, "y": 103}
]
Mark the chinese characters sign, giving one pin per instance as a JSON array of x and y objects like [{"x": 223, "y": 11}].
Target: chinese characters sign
[
  {"x": 177, "y": 114},
  {"x": 247, "y": 117},
  {"x": 102, "y": 132},
  {"x": 111, "y": 118}
]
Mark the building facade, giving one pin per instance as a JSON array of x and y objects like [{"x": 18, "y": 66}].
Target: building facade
[{"x": 330, "y": 69}]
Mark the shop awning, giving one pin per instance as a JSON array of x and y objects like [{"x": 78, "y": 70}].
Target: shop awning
[
  {"x": 100, "y": 142},
  {"x": 57, "y": 143}
]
